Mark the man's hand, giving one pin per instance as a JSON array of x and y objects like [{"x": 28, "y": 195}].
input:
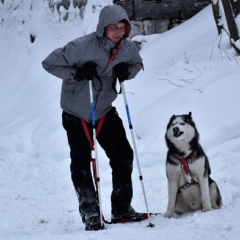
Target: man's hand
[
  {"x": 87, "y": 71},
  {"x": 121, "y": 71}
]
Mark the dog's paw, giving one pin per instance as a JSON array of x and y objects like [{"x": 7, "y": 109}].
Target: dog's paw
[
  {"x": 207, "y": 209},
  {"x": 168, "y": 215}
]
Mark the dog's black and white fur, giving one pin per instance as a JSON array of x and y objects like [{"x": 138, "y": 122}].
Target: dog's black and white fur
[{"x": 190, "y": 187}]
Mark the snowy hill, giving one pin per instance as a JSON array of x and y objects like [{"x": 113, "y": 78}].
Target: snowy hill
[{"x": 185, "y": 70}]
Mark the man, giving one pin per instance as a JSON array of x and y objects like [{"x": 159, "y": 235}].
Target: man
[{"x": 102, "y": 56}]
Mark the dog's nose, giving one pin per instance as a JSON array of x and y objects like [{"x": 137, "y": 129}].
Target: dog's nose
[{"x": 175, "y": 129}]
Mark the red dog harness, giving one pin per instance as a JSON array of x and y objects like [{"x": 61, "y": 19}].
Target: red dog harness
[{"x": 186, "y": 171}]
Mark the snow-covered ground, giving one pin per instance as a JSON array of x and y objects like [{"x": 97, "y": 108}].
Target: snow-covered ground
[{"x": 185, "y": 70}]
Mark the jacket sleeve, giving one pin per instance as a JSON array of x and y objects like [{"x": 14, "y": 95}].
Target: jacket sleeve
[
  {"x": 62, "y": 61},
  {"x": 135, "y": 63}
]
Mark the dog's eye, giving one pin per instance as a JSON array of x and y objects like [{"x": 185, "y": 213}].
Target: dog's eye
[{"x": 183, "y": 124}]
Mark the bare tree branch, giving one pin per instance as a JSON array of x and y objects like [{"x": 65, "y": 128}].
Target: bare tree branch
[{"x": 164, "y": 79}]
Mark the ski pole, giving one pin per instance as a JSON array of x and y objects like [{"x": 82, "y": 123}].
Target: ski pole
[
  {"x": 94, "y": 151},
  {"x": 135, "y": 151}
]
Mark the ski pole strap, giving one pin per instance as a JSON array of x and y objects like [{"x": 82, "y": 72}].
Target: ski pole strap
[
  {"x": 114, "y": 86},
  {"x": 101, "y": 84}
]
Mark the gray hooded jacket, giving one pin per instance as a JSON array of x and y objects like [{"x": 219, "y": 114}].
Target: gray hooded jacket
[{"x": 94, "y": 47}]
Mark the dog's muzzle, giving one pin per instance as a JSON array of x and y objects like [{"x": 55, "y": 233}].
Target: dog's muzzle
[{"x": 177, "y": 132}]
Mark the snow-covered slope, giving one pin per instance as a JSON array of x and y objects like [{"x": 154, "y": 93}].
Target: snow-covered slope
[{"x": 184, "y": 71}]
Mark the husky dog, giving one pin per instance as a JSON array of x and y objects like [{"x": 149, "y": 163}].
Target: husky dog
[{"x": 190, "y": 187}]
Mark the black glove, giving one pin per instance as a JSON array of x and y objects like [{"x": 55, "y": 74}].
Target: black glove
[
  {"x": 121, "y": 71},
  {"x": 87, "y": 71}
]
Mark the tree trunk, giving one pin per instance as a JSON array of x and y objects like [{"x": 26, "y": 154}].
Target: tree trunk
[
  {"x": 216, "y": 15},
  {"x": 233, "y": 31},
  {"x": 235, "y": 7}
]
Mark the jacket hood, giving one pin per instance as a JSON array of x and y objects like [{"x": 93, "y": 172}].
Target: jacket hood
[{"x": 112, "y": 14}]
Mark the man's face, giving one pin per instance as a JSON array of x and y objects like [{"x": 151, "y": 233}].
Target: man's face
[{"x": 115, "y": 32}]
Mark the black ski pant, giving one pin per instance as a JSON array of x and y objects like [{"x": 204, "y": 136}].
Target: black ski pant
[{"x": 112, "y": 138}]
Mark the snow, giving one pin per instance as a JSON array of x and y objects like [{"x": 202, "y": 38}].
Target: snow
[{"x": 189, "y": 68}]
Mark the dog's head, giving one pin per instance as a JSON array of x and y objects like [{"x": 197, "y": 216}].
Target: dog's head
[{"x": 181, "y": 133}]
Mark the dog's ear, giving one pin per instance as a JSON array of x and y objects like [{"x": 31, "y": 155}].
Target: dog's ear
[
  {"x": 190, "y": 115},
  {"x": 172, "y": 117},
  {"x": 170, "y": 121}
]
